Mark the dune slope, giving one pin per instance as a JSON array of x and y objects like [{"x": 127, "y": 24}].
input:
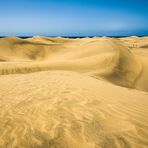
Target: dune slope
[
  {"x": 66, "y": 109},
  {"x": 111, "y": 59},
  {"x": 73, "y": 93}
]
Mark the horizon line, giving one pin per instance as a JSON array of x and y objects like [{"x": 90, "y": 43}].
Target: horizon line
[{"x": 71, "y": 36}]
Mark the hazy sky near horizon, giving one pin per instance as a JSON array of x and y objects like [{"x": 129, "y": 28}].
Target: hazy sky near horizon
[{"x": 73, "y": 17}]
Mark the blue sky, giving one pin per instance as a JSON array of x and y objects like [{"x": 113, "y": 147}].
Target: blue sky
[{"x": 73, "y": 17}]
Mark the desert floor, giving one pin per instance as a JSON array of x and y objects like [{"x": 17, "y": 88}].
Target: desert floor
[{"x": 74, "y": 93}]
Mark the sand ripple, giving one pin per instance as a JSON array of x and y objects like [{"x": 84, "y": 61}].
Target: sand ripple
[
  {"x": 73, "y": 93},
  {"x": 66, "y": 109}
]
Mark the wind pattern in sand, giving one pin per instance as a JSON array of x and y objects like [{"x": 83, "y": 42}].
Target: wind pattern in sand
[{"x": 74, "y": 93}]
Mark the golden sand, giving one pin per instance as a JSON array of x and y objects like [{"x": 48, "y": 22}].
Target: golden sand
[{"x": 74, "y": 93}]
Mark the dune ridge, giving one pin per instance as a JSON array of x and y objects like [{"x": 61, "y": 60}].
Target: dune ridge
[
  {"x": 73, "y": 93},
  {"x": 109, "y": 58}
]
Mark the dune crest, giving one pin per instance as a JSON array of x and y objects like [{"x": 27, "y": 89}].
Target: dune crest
[
  {"x": 108, "y": 58},
  {"x": 126, "y": 67}
]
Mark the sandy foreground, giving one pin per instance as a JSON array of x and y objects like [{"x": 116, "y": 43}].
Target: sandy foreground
[{"x": 74, "y": 93}]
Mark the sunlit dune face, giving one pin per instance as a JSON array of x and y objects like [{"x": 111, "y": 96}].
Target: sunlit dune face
[
  {"x": 120, "y": 61},
  {"x": 61, "y": 92}
]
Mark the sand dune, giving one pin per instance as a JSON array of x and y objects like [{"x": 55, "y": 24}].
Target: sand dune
[
  {"x": 112, "y": 59},
  {"x": 60, "y": 92}
]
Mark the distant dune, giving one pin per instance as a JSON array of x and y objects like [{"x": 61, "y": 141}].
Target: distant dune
[
  {"x": 120, "y": 61},
  {"x": 67, "y": 93}
]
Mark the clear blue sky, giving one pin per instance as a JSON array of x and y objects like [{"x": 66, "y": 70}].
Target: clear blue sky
[{"x": 73, "y": 17}]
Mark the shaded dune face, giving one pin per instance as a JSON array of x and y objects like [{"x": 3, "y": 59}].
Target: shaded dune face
[
  {"x": 114, "y": 60},
  {"x": 73, "y": 93}
]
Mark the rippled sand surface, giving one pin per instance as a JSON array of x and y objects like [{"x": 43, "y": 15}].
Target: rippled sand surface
[{"x": 67, "y": 93}]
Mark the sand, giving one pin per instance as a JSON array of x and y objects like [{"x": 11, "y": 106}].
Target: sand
[{"x": 74, "y": 93}]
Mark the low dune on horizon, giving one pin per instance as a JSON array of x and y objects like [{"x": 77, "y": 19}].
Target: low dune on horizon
[{"x": 74, "y": 93}]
